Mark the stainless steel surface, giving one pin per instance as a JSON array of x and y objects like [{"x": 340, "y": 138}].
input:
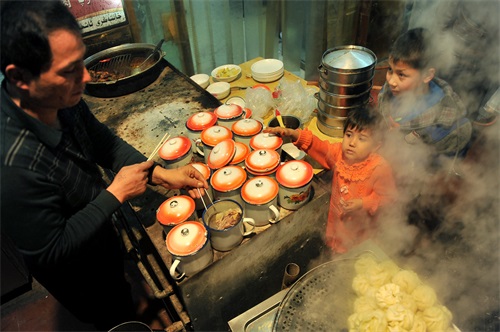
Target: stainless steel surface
[
  {"x": 253, "y": 271},
  {"x": 259, "y": 318},
  {"x": 344, "y": 100}
]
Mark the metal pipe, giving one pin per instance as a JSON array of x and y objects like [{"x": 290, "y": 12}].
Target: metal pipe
[{"x": 292, "y": 271}]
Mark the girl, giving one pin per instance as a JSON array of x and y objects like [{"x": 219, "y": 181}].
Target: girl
[{"x": 362, "y": 180}]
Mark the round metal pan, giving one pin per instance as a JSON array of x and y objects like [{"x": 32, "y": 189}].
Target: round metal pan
[
  {"x": 321, "y": 300},
  {"x": 129, "y": 83}
]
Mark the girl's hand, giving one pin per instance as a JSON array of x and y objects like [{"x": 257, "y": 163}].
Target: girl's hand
[
  {"x": 283, "y": 132},
  {"x": 352, "y": 205}
]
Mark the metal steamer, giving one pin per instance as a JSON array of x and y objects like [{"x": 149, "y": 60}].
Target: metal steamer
[{"x": 345, "y": 82}]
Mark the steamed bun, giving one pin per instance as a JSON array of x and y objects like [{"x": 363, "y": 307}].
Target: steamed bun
[
  {"x": 367, "y": 321},
  {"x": 361, "y": 284},
  {"x": 364, "y": 263},
  {"x": 388, "y": 295},
  {"x": 437, "y": 318},
  {"x": 399, "y": 318},
  {"x": 407, "y": 280},
  {"x": 424, "y": 297}
]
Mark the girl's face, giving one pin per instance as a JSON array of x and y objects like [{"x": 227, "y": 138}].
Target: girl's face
[
  {"x": 402, "y": 78},
  {"x": 358, "y": 144}
]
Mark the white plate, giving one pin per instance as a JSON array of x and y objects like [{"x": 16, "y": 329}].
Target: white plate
[
  {"x": 226, "y": 73},
  {"x": 267, "y": 67},
  {"x": 267, "y": 79},
  {"x": 236, "y": 100}
]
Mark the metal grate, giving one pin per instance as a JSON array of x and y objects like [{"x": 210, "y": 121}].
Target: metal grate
[
  {"x": 321, "y": 300},
  {"x": 120, "y": 64}
]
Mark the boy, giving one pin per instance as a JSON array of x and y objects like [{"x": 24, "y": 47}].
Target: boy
[{"x": 423, "y": 107}]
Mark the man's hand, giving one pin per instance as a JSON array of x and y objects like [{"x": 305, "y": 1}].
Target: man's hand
[
  {"x": 186, "y": 177},
  {"x": 130, "y": 181}
]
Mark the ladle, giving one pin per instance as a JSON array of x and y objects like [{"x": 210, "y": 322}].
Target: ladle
[{"x": 139, "y": 69}]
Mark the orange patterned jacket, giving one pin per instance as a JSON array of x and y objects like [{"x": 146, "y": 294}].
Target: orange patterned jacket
[{"x": 371, "y": 180}]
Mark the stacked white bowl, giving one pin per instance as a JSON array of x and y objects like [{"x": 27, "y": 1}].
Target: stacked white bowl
[{"x": 267, "y": 70}]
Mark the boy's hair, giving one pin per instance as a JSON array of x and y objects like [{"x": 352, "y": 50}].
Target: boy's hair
[
  {"x": 25, "y": 27},
  {"x": 364, "y": 118},
  {"x": 412, "y": 48}
]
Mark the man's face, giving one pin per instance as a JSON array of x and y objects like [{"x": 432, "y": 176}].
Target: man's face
[
  {"x": 63, "y": 84},
  {"x": 403, "y": 79}
]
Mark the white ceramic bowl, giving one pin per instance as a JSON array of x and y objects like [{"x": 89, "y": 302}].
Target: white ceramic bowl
[
  {"x": 219, "y": 90},
  {"x": 267, "y": 78},
  {"x": 226, "y": 73},
  {"x": 202, "y": 80},
  {"x": 267, "y": 67}
]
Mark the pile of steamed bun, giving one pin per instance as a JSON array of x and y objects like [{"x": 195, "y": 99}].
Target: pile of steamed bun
[{"x": 393, "y": 300}]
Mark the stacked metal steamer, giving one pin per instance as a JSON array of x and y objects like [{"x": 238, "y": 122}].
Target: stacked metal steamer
[{"x": 345, "y": 81}]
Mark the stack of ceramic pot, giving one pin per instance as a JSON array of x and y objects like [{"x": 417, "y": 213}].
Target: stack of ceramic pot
[{"x": 345, "y": 82}]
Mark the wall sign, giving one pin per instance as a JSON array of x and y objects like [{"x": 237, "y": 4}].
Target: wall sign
[{"x": 97, "y": 15}]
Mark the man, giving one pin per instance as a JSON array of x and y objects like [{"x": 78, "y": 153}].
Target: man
[{"x": 55, "y": 205}]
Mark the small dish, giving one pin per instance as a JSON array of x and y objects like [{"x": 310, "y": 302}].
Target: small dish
[
  {"x": 219, "y": 90},
  {"x": 202, "y": 80},
  {"x": 226, "y": 73},
  {"x": 236, "y": 100}
]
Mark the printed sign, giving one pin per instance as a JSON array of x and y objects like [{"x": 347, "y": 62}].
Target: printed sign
[{"x": 97, "y": 15}]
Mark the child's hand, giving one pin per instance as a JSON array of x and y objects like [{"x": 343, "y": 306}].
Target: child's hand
[
  {"x": 351, "y": 205},
  {"x": 283, "y": 132}
]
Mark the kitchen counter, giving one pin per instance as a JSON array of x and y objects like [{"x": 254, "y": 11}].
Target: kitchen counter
[{"x": 252, "y": 271}]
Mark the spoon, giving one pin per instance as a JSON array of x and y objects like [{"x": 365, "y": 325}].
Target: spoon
[{"x": 138, "y": 69}]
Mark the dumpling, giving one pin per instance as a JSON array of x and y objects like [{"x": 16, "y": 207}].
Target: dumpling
[
  {"x": 364, "y": 264},
  {"x": 408, "y": 302},
  {"x": 407, "y": 280},
  {"x": 367, "y": 321},
  {"x": 418, "y": 324},
  {"x": 437, "y": 318},
  {"x": 399, "y": 318},
  {"x": 361, "y": 285},
  {"x": 390, "y": 267},
  {"x": 388, "y": 295},
  {"x": 365, "y": 303},
  {"x": 378, "y": 276},
  {"x": 424, "y": 297}
]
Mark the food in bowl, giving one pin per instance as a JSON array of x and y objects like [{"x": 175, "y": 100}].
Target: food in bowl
[
  {"x": 226, "y": 219},
  {"x": 226, "y": 73}
]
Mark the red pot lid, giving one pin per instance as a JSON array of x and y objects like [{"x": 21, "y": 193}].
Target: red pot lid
[
  {"x": 201, "y": 120},
  {"x": 242, "y": 151},
  {"x": 262, "y": 160},
  {"x": 259, "y": 190},
  {"x": 187, "y": 238},
  {"x": 215, "y": 134},
  {"x": 228, "y": 178},
  {"x": 294, "y": 174},
  {"x": 175, "y": 148},
  {"x": 227, "y": 112},
  {"x": 203, "y": 169},
  {"x": 175, "y": 210},
  {"x": 221, "y": 154},
  {"x": 246, "y": 127},
  {"x": 266, "y": 141}
]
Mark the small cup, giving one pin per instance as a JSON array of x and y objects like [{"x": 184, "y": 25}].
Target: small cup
[{"x": 229, "y": 237}]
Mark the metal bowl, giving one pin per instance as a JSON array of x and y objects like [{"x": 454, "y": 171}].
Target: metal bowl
[{"x": 119, "y": 61}]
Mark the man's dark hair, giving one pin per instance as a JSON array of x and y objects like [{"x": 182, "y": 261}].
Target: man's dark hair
[
  {"x": 412, "y": 48},
  {"x": 26, "y": 26},
  {"x": 364, "y": 118}
]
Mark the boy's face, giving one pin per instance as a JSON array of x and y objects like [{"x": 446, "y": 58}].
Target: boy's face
[
  {"x": 402, "y": 78},
  {"x": 358, "y": 144}
]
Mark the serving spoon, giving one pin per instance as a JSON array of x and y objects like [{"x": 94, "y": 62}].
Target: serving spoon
[{"x": 138, "y": 69}]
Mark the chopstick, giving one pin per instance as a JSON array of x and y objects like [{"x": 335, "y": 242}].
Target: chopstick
[{"x": 157, "y": 148}]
